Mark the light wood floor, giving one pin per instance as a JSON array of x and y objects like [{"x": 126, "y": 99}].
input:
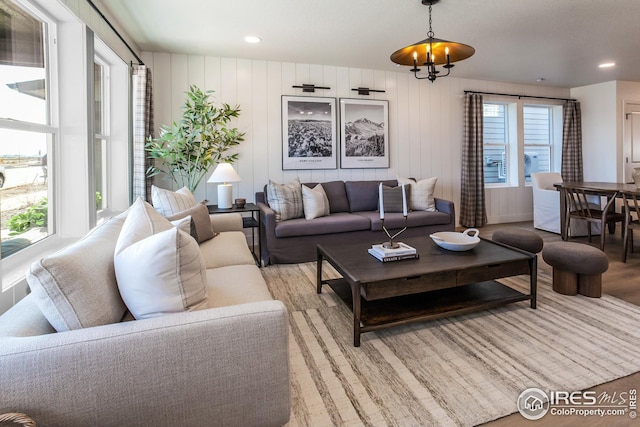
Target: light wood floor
[{"x": 621, "y": 280}]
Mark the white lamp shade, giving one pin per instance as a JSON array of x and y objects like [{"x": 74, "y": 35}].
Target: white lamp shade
[{"x": 224, "y": 172}]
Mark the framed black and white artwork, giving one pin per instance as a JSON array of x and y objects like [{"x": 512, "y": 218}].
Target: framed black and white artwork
[
  {"x": 364, "y": 133},
  {"x": 309, "y": 133}
]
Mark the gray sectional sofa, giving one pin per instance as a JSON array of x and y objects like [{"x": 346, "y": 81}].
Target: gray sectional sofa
[
  {"x": 354, "y": 218},
  {"x": 226, "y": 365}
]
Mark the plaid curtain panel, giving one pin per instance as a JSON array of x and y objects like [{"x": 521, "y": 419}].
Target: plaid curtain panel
[
  {"x": 473, "y": 212},
  {"x": 572, "y": 142},
  {"x": 142, "y": 128}
]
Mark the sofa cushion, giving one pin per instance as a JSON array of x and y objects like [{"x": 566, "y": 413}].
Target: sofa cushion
[
  {"x": 393, "y": 199},
  {"x": 363, "y": 195},
  {"x": 228, "y": 248},
  {"x": 285, "y": 199},
  {"x": 168, "y": 202},
  {"x": 224, "y": 290},
  {"x": 76, "y": 287},
  {"x": 315, "y": 202},
  {"x": 159, "y": 268},
  {"x": 200, "y": 217},
  {"x": 421, "y": 192},
  {"x": 335, "y": 223},
  {"x": 414, "y": 219}
]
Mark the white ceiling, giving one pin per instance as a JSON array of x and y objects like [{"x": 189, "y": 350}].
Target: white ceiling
[{"x": 519, "y": 41}]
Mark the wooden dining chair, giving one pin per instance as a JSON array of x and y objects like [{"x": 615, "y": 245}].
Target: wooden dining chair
[
  {"x": 579, "y": 208},
  {"x": 631, "y": 206}
]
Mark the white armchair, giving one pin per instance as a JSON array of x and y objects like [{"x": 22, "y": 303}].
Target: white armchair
[{"x": 546, "y": 206}]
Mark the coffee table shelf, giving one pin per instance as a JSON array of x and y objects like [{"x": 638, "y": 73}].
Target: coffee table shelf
[{"x": 384, "y": 313}]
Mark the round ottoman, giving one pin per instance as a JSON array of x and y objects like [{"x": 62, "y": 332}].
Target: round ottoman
[
  {"x": 577, "y": 268},
  {"x": 519, "y": 238}
]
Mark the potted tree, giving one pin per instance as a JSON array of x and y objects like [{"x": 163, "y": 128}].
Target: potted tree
[{"x": 188, "y": 148}]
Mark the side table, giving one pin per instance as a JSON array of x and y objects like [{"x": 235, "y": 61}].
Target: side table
[{"x": 251, "y": 222}]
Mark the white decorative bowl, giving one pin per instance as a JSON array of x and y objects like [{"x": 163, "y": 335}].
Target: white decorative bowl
[{"x": 454, "y": 241}]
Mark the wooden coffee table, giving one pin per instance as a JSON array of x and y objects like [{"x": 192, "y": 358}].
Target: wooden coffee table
[{"x": 440, "y": 283}]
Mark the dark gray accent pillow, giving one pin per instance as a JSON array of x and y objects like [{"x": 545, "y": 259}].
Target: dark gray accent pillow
[
  {"x": 393, "y": 198},
  {"x": 363, "y": 195}
]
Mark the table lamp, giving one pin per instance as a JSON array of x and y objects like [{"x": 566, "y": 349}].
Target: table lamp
[{"x": 224, "y": 173}]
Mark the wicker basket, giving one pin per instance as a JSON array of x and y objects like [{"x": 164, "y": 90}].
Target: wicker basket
[{"x": 15, "y": 418}]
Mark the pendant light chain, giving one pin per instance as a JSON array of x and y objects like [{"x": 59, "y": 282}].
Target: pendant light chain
[{"x": 430, "y": 33}]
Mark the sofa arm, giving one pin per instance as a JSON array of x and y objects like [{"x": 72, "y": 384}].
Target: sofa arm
[
  {"x": 446, "y": 206},
  {"x": 267, "y": 230},
  {"x": 226, "y": 366},
  {"x": 226, "y": 222}
]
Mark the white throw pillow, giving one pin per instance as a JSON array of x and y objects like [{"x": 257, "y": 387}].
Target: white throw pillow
[
  {"x": 168, "y": 202},
  {"x": 164, "y": 273},
  {"x": 421, "y": 193},
  {"x": 315, "y": 201},
  {"x": 142, "y": 221},
  {"x": 285, "y": 200}
]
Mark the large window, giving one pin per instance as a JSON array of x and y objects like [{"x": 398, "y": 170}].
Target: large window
[
  {"x": 101, "y": 129},
  {"x": 496, "y": 143},
  {"x": 26, "y": 130},
  {"x": 520, "y": 139},
  {"x": 538, "y": 139}
]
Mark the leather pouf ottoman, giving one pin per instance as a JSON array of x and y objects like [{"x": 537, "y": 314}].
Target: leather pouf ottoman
[
  {"x": 577, "y": 268},
  {"x": 519, "y": 238}
]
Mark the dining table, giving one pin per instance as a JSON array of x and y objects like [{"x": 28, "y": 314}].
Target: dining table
[{"x": 603, "y": 189}]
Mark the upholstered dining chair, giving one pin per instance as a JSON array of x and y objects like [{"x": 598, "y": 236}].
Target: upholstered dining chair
[
  {"x": 579, "y": 208},
  {"x": 546, "y": 206},
  {"x": 631, "y": 206}
]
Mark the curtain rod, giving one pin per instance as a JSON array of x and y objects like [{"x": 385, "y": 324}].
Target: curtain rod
[
  {"x": 115, "y": 31},
  {"x": 519, "y": 96}
]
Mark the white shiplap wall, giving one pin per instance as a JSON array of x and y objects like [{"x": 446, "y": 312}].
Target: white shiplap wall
[{"x": 425, "y": 120}]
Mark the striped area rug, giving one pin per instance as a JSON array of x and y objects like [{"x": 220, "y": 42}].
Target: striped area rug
[{"x": 459, "y": 371}]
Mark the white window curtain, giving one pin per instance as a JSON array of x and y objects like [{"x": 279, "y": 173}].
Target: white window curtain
[{"x": 142, "y": 128}]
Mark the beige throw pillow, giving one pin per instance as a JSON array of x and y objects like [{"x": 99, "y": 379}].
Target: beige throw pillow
[
  {"x": 168, "y": 202},
  {"x": 422, "y": 193},
  {"x": 76, "y": 287},
  {"x": 285, "y": 200},
  {"x": 315, "y": 202}
]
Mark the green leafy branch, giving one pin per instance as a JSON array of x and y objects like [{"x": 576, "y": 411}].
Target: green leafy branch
[{"x": 187, "y": 149}]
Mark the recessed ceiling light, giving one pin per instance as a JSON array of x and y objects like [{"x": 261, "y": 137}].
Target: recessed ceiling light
[
  {"x": 252, "y": 39},
  {"x": 607, "y": 64}
]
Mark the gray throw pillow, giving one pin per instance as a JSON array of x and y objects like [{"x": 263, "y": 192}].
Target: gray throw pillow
[
  {"x": 285, "y": 200},
  {"x": 392, "y": 198},
  {"x": 200, "y": 219}
]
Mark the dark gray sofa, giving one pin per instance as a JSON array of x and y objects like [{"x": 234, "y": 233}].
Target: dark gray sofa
[{"x": 354, "y": 218}]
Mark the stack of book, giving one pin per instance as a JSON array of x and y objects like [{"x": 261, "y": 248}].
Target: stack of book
[{"x": 383, "y": 254}]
